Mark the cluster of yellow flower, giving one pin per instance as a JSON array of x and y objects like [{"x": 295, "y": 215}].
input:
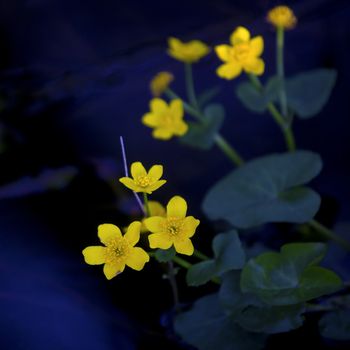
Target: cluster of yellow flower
[
  {"x": 170, "y": 227},
  {"x": 242, "y": 55}
]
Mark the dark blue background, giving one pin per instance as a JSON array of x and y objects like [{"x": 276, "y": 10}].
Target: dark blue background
[{"x": 74, "y": 76}]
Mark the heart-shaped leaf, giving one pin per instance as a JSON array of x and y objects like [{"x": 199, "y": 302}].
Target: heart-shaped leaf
[
  {"x": 228, "y": 255},
  {"x": 289, "y": 277},
  {"x": 267, "y": 189}
]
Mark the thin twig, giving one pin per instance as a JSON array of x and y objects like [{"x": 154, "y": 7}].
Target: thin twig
[{"x": 139, "y": 202}]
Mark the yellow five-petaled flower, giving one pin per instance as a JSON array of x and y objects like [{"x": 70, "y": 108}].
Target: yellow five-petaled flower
[
  {"x": 118, "y": 250},
  {"x": 242, "y": 55},
  {"x": 189, "y": 52},
  {"x": 174, "y": 229},
  {"x": 166, "y": 120},
  {"x": 143, "y": 181},
  {"x": 282, "y": 17}
]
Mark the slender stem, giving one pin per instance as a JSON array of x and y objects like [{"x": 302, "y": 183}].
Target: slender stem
[
  {"x": 138, "y": 200},
  {"x": 220, "y": 141},
  {"x": 198, "y": 254},
  {"x": 277, "y": 116},
  {"x": 183, "y": 263},
  {"x": 173, "y": 285},
  {"x": 191, "y": 94},
  {"x": 280, "y": 69},
  {"x": 230, "y": 152},
  {"x": 145, "y": 201},
  {"x": 329, "y": 234}
]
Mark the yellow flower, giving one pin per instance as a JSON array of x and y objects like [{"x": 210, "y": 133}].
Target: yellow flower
[
  {"x": 118, "y": 250},
  {"x": 160, "y": 83},
  {"x": 242, "y": 55},
  {"x": 282, "y": 17},
  {"x": 156, "y": 209},
  {"x": 189, "y": 52},
  {"x": 143, "y": 181},
  {"x": 174, "y": 229},
  {"x": 166, "y": 120}
]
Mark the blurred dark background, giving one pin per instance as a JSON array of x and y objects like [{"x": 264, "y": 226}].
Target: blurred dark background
[{"x": 74, "y": 76}]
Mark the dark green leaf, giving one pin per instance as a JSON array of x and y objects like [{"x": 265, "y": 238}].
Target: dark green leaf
[
  {"x": 308, "y": 92},
  {"x": 207, "y": 327},
  {"x": 257, "y": 100},
  {"x": 336, "y": 325},
  {"x": 287, "y": 277},
  {"x": 228, "y": 252},
  {"x": 202, "y": 134},
  {"x": 201, "y": 273},
  {"x": 254, "y": 315},
  {"x": 165, "y": 255},
  {"x": 228, "y": 255},
  {"x": 267, "y": 189}
]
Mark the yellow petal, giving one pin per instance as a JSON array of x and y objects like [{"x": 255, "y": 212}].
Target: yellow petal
[
  {"x": 158, "y": 106},
  {"x": 257, "y": 46},
  {"x": 149, "y": 189},
  {"x": 223, "y": 52},
  {"x": 239, "y": 35},
  {"x": 189, "y": 226},
  {"x": 133, "y": 232},
  {"x": 176, "y": 108},
  {"x": 162, "y": 133},
  {"x": 137, "y": 169},
  {"x": 255, "y": 66},
  {"x": 94, "y": 255},
  {"x": 184, "y": 247},
  {"x": 180, "y": 128},
  {"x": 106, "y": 232},
  {"x": 156, "y": 172},
  {"x": 150, "y": 119},
  {"x": 155, "y": 223},
  {"x": 229, "y": 70},
  {"x": 174, "y": 43},
  {"x": 137, "y": 259},
  {"x": 177, "y": 207},
  {"x": 156, "y": 208},
  {"x": 129, "y": 183},
  {"x": 159, "y": 240},
  {"x": 113, "y": 269}
]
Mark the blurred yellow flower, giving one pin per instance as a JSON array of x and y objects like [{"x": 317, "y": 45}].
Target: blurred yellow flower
[
  {"x": 118, "y": 250},
  {"x": 143, "y": 181},
  {"x": 174, "y": 229},
  {"x": 242, "y": 54},
  {"x": 160, "y": 83},
  {"x": 189, "y": 52},
  {"x": 282, "y": 17},
  {"x": 155, "y": 209},
  {"x": 166, "y": 120}
]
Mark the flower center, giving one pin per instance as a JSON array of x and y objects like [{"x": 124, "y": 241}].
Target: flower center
[
  {"x": 241, "y": 51},
  {"x": 144, "y": 181},
  {"x": 167, "y": 120},
  {"x": 117, "y": 250},
  {"x": 174, "y": 226}
]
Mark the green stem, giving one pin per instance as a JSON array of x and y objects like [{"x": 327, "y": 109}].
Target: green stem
[
  {"x": 220, "y": 141},
  {"x": 329, "y": 234},
  {"x": 198, "y": 254},
  {"x": 277, "y": 116},
  {"x": 173, "y": 285},
  {"x": 145, "y": 202},
  {"x": 280, "y": 69},
  {"x": 191, "y": 94},
  {"x": 183, "y": 263},
  {"x": 230, "y": 152}
]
